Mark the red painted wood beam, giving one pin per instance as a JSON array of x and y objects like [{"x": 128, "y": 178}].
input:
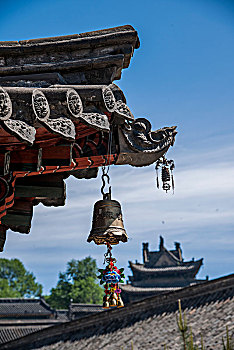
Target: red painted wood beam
[{"x": 77, "y": 163}]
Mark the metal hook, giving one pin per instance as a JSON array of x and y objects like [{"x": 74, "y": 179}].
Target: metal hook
[{"x": 104, "y": 183}]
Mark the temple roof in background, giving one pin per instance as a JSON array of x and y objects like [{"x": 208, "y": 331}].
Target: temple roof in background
[
  {"x": 162, "y": 271},
  {"x": 19, "y": 307},
  {"x": 23, "y": 316}
]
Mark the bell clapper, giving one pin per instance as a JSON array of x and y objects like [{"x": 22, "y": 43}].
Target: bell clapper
[{"x": 111, "y": 276}]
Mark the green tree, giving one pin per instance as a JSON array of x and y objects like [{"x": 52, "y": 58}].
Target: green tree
[
  {"x": 16, "y": 281},
  {"x": 79, "y": 283}
]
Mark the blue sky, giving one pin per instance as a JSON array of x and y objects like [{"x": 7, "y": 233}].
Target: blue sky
[{"x": 182, "y": 75}]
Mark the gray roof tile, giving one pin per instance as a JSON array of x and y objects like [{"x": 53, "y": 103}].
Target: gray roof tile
[{"x": 23, "y": 307}]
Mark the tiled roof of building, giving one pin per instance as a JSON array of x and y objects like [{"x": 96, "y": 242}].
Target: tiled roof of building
[
  {"x": 62, "y": 315},
  {"x": 183, "y": 267},
  {"x": 154, "y": 256},
  {"x": 20, "y": 317},
  {"x": 75, "y": 307},
  {"x": 133, "y": 289},
  {"x": 10, "y": 307},
  {"x": 149, "y": 323},
  {"x": 8, "y": 334}
]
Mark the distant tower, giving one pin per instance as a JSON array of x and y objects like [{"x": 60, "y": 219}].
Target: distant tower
[
  {"x": 162, "y": 271},
  {"x": 161, "y": 244}
]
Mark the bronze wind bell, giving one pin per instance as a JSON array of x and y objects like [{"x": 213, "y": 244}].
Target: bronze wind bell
[{"x": 108, "y": 228}]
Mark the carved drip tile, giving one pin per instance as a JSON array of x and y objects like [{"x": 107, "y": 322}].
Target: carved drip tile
[
  {"x": 74, "y": 103},
  {"x": 139, "y": 137},
  {"x": 5, "y": 105},
  {"x": 61, "y": 126},
  {"x": 40, "y": 105},
  {"x": 20, "y": 129},
  {"x": 109, "y": 99},
  {"x": 123, "y": 110},
  {"x": 96, "y": 120}
]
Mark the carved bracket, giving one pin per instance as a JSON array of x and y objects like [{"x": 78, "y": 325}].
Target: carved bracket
[
  {"x": 139, "y": 146},
  {"x": 141, "y": 139}
]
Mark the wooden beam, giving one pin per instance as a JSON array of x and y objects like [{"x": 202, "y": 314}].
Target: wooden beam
[
  {"x": 19, "y": 216},
  {"x": 5, "y": 163},
  {"x": 39, "y": 191},
  {"x": 29, "y": 160},
  {"x": 57, "y": 155},
  {"x": 42, "y": 186},
  {"x": 2, "y": 237}
]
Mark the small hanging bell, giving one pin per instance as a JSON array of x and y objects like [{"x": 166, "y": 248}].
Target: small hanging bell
[
  {"x": 106, "y": 304},
  {"x": 112, "y": 301},
  {"x": 114, "y": 295},
  {"x": 167, "y": 167},
  {"x": 107, "y": 225},
  {"x": 120, "y": 302}
]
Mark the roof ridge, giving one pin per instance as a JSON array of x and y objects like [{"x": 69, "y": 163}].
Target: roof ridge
[
  {"x": 24, "y": 300},
  {"x": 99, "y": 35}
]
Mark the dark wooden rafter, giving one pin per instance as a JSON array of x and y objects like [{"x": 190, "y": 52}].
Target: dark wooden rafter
[
  {"x": 19, "y": 216},
  {"x": 15, "y": 188},
  {"x": 3, "y": 231}
]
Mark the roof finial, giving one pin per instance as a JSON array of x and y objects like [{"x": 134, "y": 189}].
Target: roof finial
[
  {"x": 161, "y": 245},
  {"x": 145, "y": 252},
  {"x": 177, "y": 246}
]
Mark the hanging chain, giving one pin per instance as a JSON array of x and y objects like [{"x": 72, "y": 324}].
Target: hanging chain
[
  {"x": 108, "y": 156},
  {"x": 106, "y": 167},
  {"x": 105, "y": 195}
]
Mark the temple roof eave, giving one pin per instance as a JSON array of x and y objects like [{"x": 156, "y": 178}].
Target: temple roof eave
[
  {"x": 190, "y": 267},
  {"x": 56, "y": 115}
]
